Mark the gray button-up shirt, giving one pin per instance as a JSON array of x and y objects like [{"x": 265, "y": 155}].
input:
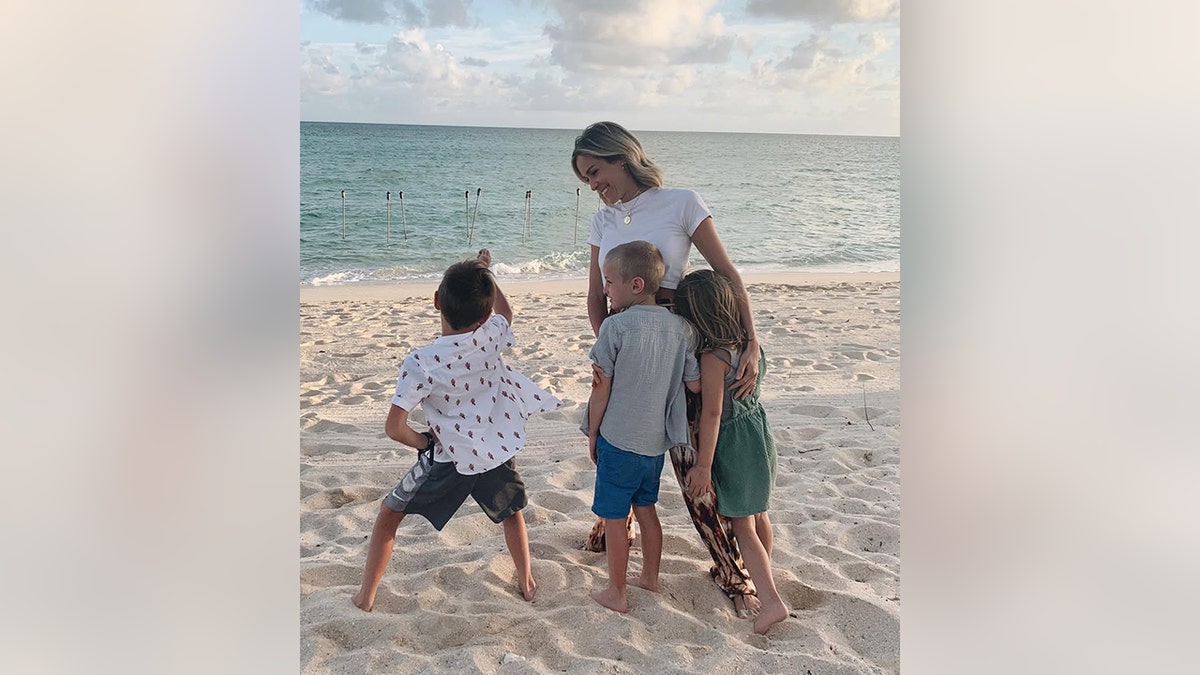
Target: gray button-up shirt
[{"x": 649, "y": 353}]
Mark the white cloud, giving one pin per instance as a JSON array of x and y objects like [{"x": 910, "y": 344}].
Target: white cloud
[
  {"x": 671, "y": 64},
  {"x": 677, "y": 81},
  {"x": 409, "y": 60},
  {"x": 406, "y": 76},
  {"x": 634, "y": 35},
  {"x": 406, "y": 12},
  {"x": 827, "y": 12},
  {"x": 362, "y": 11},
  {"x": 817, "y": 66},
  {"x": 320, "y": 75},
  {"x": 449, "y": 13}
]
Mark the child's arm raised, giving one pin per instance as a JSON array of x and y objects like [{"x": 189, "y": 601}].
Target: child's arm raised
[
  {"x": 397, "y": 429},
  {"x": 500, "y": 304},
  {"x": 712, "y": 393}
]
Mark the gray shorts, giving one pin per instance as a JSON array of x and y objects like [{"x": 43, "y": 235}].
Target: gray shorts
[{"x": 436, "y": 490}]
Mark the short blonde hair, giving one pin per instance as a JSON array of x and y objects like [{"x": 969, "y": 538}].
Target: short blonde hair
[{"x": 638, "y": 259}]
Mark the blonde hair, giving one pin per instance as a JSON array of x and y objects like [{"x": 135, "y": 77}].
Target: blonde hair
[
  {"x": 706, "y": 299},
  {"x": 612, "y": 142},
  {"x": 638, "y": 259}
]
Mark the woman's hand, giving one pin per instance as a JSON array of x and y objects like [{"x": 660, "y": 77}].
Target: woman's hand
[
  {"x": 698, "y": 481},
  {"x": 747, "y": 373},
  {"x": 592, "y": 449},
  {"x": 485, "y": 256}
]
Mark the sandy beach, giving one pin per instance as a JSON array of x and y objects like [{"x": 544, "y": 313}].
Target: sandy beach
[{"x": 449, "y": 602}]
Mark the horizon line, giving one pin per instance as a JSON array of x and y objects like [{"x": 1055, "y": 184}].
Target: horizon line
[{"x": 677, "y": 131}]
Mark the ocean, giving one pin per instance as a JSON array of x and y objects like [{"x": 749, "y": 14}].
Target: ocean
[{"x": 780, "y": 202}]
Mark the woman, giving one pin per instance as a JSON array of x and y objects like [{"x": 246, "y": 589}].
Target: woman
[{"x": 613, "y": 164}]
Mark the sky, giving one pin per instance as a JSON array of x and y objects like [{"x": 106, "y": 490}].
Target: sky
[{"x": 782, "y": 66}]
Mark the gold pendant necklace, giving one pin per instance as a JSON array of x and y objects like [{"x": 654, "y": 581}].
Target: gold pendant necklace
[{"x": 628, "y": 211}]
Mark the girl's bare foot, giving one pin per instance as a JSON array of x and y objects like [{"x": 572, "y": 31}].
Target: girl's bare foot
[
  {"x": 528, "y": 587},
  {"x": 746, "y": 605},
  {"x": 614, "y": 599},
  {"x": 648, "y": 584},
  {"x": 769, "y": 615},
  {"x": 361, "y": 603}
]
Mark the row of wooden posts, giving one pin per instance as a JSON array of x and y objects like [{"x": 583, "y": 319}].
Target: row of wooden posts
[{"x": 526, "y": 228}]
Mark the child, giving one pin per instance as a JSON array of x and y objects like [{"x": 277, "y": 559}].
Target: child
[
  {"x": 476, "y": 407},
  {"x": 738, "y": 460},
  {"x": 636, "y": 411}
]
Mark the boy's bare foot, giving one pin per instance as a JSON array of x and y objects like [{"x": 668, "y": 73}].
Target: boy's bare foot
[
  {"x": 746, "y": 605},
  {"x": 362, "y": 604},
  {"x": 648, "y": 584},
  {"x": 528, "y": 587},
  {"x": 613, "y": 599},
  {"x": 769, "y": 615}
]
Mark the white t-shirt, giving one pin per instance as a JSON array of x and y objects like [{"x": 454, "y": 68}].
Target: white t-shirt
[
  {"x": 475, "y": 403},
  {"x": 665, "y": 217}
]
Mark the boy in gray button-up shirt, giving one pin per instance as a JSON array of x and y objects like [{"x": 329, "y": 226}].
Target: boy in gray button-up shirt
[{"x": 637, "y": 410}]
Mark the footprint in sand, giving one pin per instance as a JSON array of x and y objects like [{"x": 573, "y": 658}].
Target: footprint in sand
[
  {"x": 813, "y": 410},
  {"x": 563, "y": 502},
  {"x": 317, "y": 449},
  {"x": 336, "y": 498},
  {"x": 321, "y": 426},
  {"x": 871, "y": 631},
  {"x": 863, "y": 571},
  {"x": 329, "y": 576},
  {"x": 874, "y": 538}
]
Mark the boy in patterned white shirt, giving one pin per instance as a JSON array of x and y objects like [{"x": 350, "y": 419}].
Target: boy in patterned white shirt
[{"x": 476, "y": 407}]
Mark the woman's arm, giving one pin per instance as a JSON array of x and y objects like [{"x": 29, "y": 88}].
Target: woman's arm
[
  {"x": 597, "y": 305},
  {"x": 709, "y": 244},
  {"x": 712, "y": 382}
]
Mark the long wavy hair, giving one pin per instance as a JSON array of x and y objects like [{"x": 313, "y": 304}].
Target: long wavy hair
[
  {"x": 707, "y": 301},
  {"x": 612, "y": 142}
]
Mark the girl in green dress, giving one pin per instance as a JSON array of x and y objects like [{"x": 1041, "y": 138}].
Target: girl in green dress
[{"x": 736, "y": 453}]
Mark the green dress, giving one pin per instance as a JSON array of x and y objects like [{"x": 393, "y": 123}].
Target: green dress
[{"x": 743, "y": 471}]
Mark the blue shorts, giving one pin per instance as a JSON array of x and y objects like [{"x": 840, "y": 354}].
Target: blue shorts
[{"x": 622, "y": 479}]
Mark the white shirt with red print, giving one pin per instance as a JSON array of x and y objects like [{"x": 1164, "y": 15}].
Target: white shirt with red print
[{"x": 475, "y": 403}]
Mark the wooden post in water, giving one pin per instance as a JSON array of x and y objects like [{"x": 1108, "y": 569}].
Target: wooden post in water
[
  {"x": 403, "y": 219},
  {"x": 343, "y": 215},
  {"x": 525, "y": 223},
  {"x": 576, "y": 215},
  {"x": 474, "y": 214},
  {"x": 389, "y": 218},
  {"x": 467, "y": 198}
]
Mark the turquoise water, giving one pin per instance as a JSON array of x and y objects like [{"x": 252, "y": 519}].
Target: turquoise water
[{"x": 780, "y": 202}]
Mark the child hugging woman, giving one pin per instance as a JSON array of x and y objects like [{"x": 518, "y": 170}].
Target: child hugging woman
[{"x": 736, "y": 453}]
